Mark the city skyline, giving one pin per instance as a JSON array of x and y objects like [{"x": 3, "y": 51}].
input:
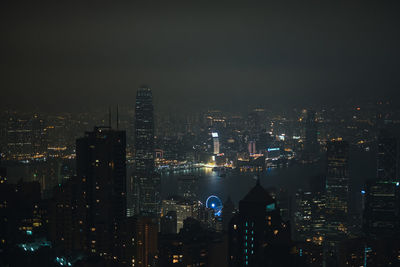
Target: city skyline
[{"x": 187, "y": 133}]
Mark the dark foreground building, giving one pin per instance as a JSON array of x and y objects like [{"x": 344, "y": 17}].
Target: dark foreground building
[
  {"x": 257, "y": 234},
  {"x": 101, "y": 166}
]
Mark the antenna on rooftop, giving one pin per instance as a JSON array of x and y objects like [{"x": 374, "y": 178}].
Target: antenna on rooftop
[
  {"x": 109, "y": 116},
  {"x": 117, "y": 118}
]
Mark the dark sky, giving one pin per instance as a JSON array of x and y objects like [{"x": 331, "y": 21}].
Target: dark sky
[{"x": 66, "y": 54}]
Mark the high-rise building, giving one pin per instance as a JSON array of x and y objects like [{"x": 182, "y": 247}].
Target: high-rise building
[
  {"x": 146, "y": 242},
  {"x": 101, "y": 164},
  {"x": 311, "y": 146},
  {"x": 25, "y": 136},
  {"x": 146, "y": 195},
  {"x": 381, "y": 216},
  {"x": 309, "y": 217},
  {"x": 382, "y": 208},
  {"x": 337, "y": 190},
  {"x": 387, "y": 158},
  {"x": 257, "y": 234},
  {"x": 215, "y": 139}
]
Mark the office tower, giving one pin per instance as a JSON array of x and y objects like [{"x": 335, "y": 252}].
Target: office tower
[
  {"x": 215, "y": 139},
  {"x": 101, "y": 164},
  {"x": 382, "y": 208},
  {"x": 387, "y": 158},
  {"x": 252, "y": 147},
  {"x": 25, "y": 137},
  {"x": 309, "y": 217},
  {"x": 147, "y": 189},
  {"x": 337, "y": 190},
  {"x": 381, "y": 216},
  {"x": 257, "y": 234},
  {"x": 311, "y": 146}
]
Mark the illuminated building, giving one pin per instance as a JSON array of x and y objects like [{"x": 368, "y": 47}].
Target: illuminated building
[
  {"x": 337, "y": 190},
  {"x": 147, "y": 195},
  {"x": 184, "y": 208},
  {"x": 25, "y": 137},
  {"x": 309, "y": 217},
  {"x": 215, "y": 139},
  {"x": 257, "y": 234},
  {"x": 101, "y": 166},
  {"x": 252, "y": 147}
]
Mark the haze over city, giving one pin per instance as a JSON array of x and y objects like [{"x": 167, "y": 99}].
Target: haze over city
[{"x": 57, "y": 55}]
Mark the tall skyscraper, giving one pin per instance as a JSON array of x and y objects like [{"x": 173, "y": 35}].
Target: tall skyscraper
[
  {"x": 215, "y": 143},
  {"x": 337, "y": 189},
  {"x": 146, "y": 180},
  {"x": 387, "y": 158},
  {"x": 101, "y": 164},
  {"x": 257, "y": 234},
  {"x": 382, "y": 195},
  {"x": 311, "y": 146}
]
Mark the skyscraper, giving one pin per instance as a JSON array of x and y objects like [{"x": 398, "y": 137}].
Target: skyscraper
[
  {"x": 145, "y": 179},
  {"x": 337, "y": 189},
  {"x": 101, "y": 164},
  {"x": 257, "y": 234},
  {"x": 311, "y": 147},
  {"x": 382, "y": 195},
  {"x": 387, "y": 158}
]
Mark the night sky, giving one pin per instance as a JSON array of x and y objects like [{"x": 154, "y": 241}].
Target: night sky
[{"x": 75, "y": 54}]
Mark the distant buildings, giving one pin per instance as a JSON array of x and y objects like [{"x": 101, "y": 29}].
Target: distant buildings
[{"x": 26, "y": 137}]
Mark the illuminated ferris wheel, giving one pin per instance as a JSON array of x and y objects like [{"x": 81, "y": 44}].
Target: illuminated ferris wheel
[{"x": 213, "y": 202}]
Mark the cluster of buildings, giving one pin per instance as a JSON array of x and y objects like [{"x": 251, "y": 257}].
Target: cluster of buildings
[
  {"x": 329, "y": 229},
  {"x": 99, "y": 203}
]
